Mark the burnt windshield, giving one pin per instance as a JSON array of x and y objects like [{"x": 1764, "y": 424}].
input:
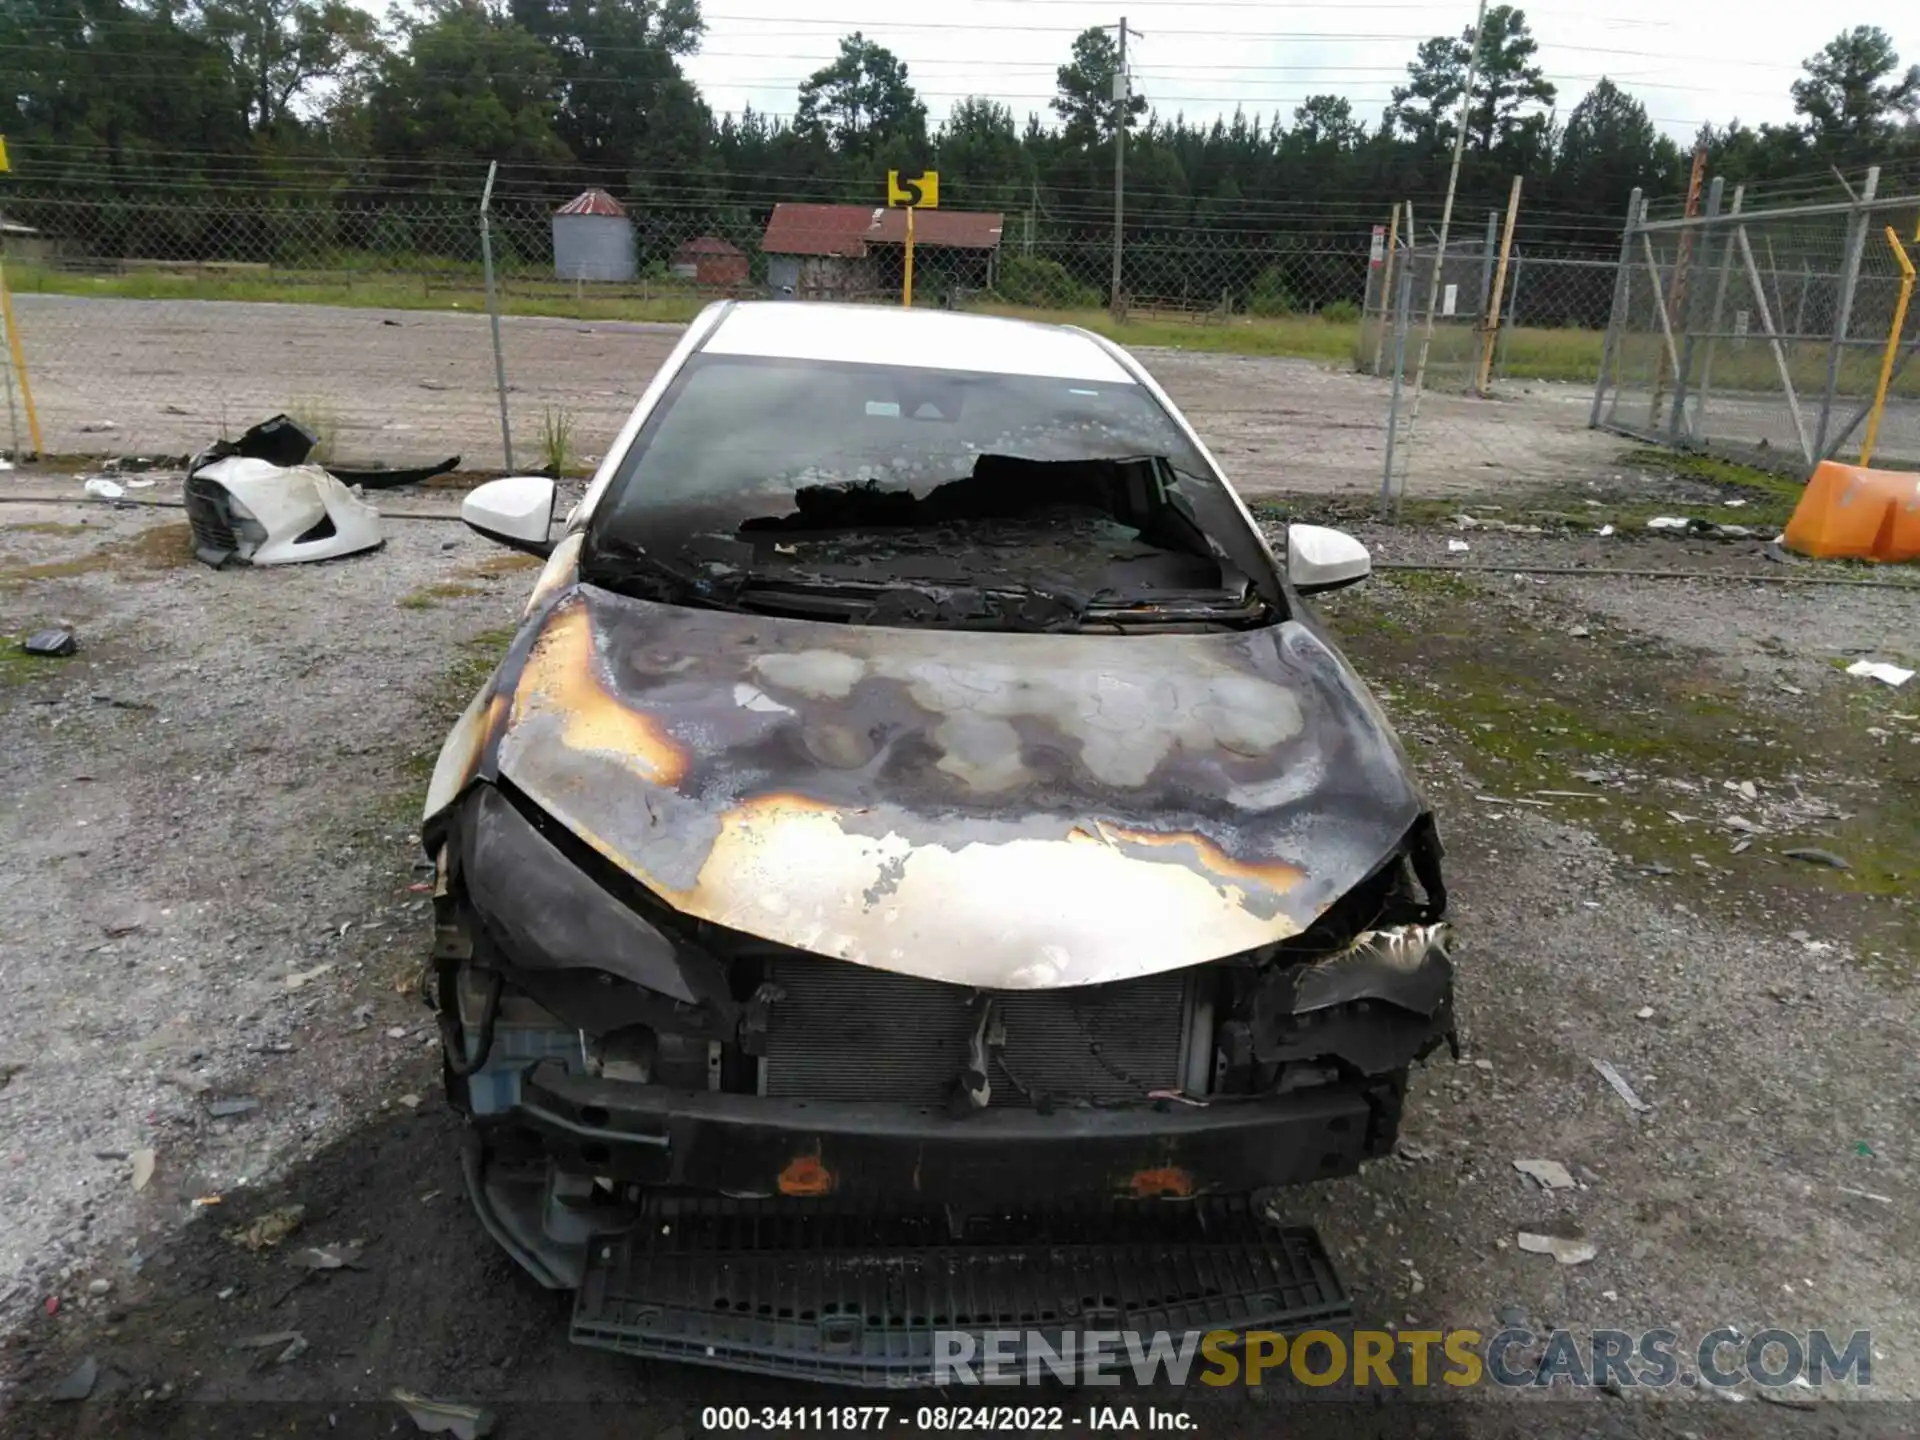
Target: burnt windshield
[{"x": 894, "y": 495}]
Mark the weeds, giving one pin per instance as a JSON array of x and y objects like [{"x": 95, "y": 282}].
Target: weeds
[
  {"x": 556, "y": 441},
  {"x": 317, "y": 417}
]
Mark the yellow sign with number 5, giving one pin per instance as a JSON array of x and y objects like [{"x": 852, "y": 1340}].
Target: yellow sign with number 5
[{"x": 916, "y": 192}]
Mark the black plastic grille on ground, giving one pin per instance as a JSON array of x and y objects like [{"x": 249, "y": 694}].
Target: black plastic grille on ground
[
  {"x": 784, "y": 1288},
  {"x": 209, "y": 517},
  {"x": 850, "y": 1032}
]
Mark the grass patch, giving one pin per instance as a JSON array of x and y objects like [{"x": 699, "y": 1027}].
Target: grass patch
[
  {"x": 1523, "y": 708},
  {"x": 453, "y": 290},
  {"x": 494, "y": 566},
  {"x": 427, "y": 597},
  {"x": 1301, "y": 336},
  {"x": 155, "y": 549},
  {"x": 47, "y": 527},
  {"x": 17, "y": 667}
]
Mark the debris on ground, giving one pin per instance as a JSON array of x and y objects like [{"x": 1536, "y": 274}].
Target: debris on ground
[
  {"x": 227, "y": 1109},
  {"x": 1817, "y": 857},
  {"x": 1458, "y": 547},
  {"x": 143, "y": 1163},
  {"x": 301, "y": 977},
  {"x": 387, "y": 478},
  {"x": 410, "y": 1100},
  {"x": 97, "y": 1288},
  {"x": 345, "y": 1256},
  {"x": 444, "y": 1417},
  {"x": 1879, "y": 670},
  {"x": 1866, "y": 1195},
  {"x": 1567, "y": 1249},
  {"x": 1669, "y": 522},
  {"x": 56, "y": 644},
  {"x": 280, "y": 440},
  {"x": 1645, "y": 1012},
  {"x": 269, "y": 1229},
  {"x": 1551, "y": 1174},
  {"x": 1620, "y": 1087},
  {"x": 103, "y": 489},
  {"x": 263, "y": 514},
  {"x": 188, "y": 1081},
  {"x": 79, "y": 1384},
  {"x": 290, "y": 1343}
]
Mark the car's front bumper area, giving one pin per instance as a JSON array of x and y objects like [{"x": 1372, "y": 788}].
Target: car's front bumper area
[
  {"x": 756, "y": 1145},
  {"x": 547, "y": 1173}
]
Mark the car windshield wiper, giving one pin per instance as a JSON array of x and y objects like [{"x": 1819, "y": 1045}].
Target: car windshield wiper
[
  {"x": 1002, "y": 605},
  {"x": 632, "y": 569}
]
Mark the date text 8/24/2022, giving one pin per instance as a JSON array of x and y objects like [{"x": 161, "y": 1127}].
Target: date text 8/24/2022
[{"x": 924, "y": 1419}]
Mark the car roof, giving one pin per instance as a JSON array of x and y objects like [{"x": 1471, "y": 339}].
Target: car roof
[{"x": 913, "y": 339}]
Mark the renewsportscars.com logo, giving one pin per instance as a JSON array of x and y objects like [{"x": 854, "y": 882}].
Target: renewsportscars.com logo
[{"x": 1374, "y": 1359}]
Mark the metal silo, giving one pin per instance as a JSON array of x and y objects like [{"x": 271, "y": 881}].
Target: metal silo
[{"x": 593, "y": 239}]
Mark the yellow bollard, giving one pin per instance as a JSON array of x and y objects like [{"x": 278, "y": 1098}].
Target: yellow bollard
[
  {"x": 906, "y": 288},
  {"x": 1893, "y": 346},
  {"x": 19, "y": 361}
]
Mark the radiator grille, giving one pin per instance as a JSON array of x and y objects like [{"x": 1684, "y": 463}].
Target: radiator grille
[
  {"x": 209, "y": 517},
  {"x": 847, "y": 1032}
]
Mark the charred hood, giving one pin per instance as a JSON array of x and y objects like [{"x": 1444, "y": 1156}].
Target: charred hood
[{"x": 1008, "y": 810}]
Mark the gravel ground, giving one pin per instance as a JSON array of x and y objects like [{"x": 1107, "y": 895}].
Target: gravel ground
[
  {"x": 206, "y": 844},
  {"x": 166, "y": 375}
]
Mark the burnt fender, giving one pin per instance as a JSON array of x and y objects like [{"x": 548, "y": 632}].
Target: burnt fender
[
  {"x": 549, "y": 915},
  {"x": 1378, "y": 1005}
]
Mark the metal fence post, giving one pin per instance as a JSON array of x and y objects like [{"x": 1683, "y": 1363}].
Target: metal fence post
[
  {"x": 1616, "y": 318},
  {"x": 493, "y": 313},
  {"x": 1849, "y": 282},
  {"x": 1400, "y": 309},
  {"x": 1713, "y": 321},
  {"x": 1386, "y": 287},
  {"x": 1678, "y": 418}
]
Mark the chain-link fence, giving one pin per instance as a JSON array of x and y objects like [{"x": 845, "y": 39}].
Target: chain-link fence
[
  {"x": 168, "y": 374},
  {"x": 1551, "y": 323},
  {"x": 1765, "y": 332}
]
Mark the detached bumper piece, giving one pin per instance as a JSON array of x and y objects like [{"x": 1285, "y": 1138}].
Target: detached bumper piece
[{"x": 802, "y": 1290}]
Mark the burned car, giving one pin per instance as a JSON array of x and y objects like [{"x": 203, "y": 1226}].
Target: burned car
[{"x": 917, "y": 799}]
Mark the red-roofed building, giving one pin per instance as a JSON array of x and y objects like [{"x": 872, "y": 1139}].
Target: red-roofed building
[
  {"x": 850, "y": 252},
  {"x": 711, "y": 263}
]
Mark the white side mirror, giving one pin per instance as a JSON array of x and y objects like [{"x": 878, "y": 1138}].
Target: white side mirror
[
  {"x": 1320, "y": 559},
  {"x": 516, "y": 511}
]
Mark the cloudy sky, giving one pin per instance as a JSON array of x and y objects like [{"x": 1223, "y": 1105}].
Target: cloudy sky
[{"x": 1710, "y": 59}]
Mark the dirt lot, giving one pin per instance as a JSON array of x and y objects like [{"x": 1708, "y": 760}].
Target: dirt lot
[
  {"x": 164, "y": 376},
  {"x": 209, "y": 866}
]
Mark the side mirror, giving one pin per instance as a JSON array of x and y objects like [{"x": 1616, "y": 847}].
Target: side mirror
[
  {"x": 516, "y": 511},
  {"x": 1320, "y": 559}
]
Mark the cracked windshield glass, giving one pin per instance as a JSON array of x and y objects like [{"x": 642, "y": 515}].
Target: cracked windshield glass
[{"x": 895, "y": 495}]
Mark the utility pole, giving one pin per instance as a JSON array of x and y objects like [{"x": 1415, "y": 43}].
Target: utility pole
[{"x": 1122, "y": 99}]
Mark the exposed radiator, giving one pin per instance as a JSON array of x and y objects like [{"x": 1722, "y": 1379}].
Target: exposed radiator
[{"x": 847, "y": 1032}]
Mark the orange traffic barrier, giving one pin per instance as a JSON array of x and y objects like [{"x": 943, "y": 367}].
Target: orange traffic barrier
[{"x": 1853, "y": 513}]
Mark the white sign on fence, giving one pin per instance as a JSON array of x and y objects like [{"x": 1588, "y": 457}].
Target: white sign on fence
[
  {"x": 1740, "y": 329},
  {"x": 1378, "y": 254},
  {"x": 1450, "y": 302}
]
